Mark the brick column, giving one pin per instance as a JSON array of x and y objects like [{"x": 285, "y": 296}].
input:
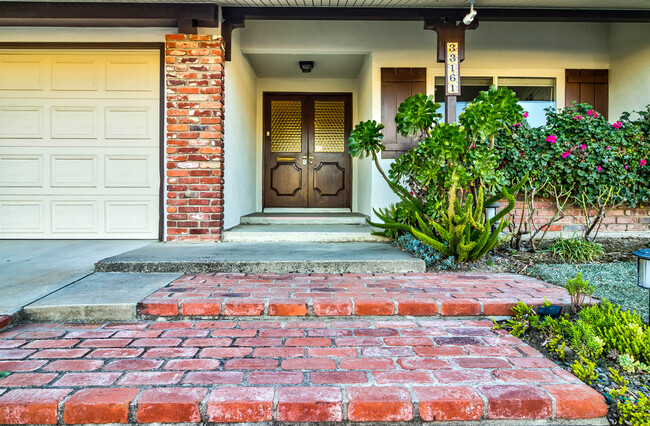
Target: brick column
[{"x": 194, "y": 139}]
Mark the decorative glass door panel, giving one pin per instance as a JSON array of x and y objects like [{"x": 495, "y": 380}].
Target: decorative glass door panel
[{"x": 306, "y": 161}]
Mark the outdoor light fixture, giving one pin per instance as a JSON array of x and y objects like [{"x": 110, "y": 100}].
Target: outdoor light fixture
[
  {"x": 306, "y": 66},
  {"x": 491, "y": 211},
  {"x": 472, "y": 13},
  {"x": 643, "y": 270}
]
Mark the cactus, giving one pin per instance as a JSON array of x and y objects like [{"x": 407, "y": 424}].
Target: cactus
[{"x": 462, "y": 231}]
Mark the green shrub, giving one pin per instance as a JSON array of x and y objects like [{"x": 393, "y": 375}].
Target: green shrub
[
  {"x": 634, "y": 408},
  {"x": 584, "y": 370},
  {"x": 578, "y": 290},
  {"x": 620, "y": 330},
  {"x": 577, "y": 250}
]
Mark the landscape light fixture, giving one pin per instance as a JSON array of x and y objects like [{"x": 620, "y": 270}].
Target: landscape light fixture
[
  {"x": 306, "y": 66},
  {"x": 472, "y": 13},
  {"x": 643, "y": 270},
  {"x": 491, "y": 211}
]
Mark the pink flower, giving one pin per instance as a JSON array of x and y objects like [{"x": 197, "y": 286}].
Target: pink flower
[
  {"x": 517, "y": 124},
  {"x": 600, "y": 168},
  {"x": 643, "y": 162},
  {"x": 583, "y": 147},
  {"x": 411, "y": 192},
  {"x": 626, "y": 167},
  {"x": 607, "y": 147},
  {"x": 566, "y": 154},
  {"x": 525, "y": 114},
  {"x": 595, "y": 114},
  {"x": 551, "y": 138},
  {"x": 590, "y": 112},
  {"x": 578, "y": 117},
  {"x": 617, "y": 125}
]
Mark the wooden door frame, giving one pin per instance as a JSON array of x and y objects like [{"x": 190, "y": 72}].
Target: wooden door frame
[{"x": 265, "y": 124}]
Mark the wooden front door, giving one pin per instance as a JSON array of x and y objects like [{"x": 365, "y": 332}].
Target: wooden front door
[{"x": 306, "y": 160}]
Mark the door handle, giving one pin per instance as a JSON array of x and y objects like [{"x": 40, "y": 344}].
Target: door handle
[
  {"x": 304, "y": 160},
  {"x": 311, "y": 160}
]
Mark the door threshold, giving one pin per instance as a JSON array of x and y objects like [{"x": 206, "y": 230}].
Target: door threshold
[{"x": 306, "y": 210}]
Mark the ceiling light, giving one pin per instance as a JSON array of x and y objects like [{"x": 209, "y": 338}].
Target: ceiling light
[{"x": 306, "y": 66}]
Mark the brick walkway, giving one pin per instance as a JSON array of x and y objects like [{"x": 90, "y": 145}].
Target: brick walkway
[
  {"x": 347, "y": 295},
  {"x": 247, "y": 371}
]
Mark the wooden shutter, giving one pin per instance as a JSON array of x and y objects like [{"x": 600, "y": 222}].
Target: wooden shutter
[
  {"x": 588, "y": 86},
  {"x": 398, "y": 84}
]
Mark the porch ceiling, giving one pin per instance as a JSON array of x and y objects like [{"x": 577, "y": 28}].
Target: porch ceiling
[
  {"x": 343, "y": 66},
  {"x": 533, "y": 4}
]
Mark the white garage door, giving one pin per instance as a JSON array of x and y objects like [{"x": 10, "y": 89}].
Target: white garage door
[{"x": 79, "y": 144}]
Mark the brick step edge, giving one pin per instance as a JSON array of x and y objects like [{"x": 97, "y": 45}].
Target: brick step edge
[
  {"x": 302, "y": 404},
  {"x": 5, "y": 321},
  {"x": 152, "y": 308}
]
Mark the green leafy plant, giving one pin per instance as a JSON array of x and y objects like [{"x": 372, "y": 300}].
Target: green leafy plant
[
  {"x": 621, "y": 330},
  {"x": 585, "y": 370},
  {"x": 4, "y": 374},
  {"x": 523, "y": 317},
  {"x": 634, "y": 408},
  {"x": 578, "y": 290},
  {"x": 628, "y": 363},
  {"x": 577, "y": 250},
  {"x": 441, "y": 183}
]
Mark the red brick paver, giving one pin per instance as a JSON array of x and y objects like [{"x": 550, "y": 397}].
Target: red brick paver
[
  {"x": 366, "y": 369},
  {"x": 332, "y": 295}
]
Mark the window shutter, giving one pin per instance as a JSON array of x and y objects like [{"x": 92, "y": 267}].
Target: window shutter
[
  {"x": 398, "y": 84},
  {"x": 588, "y": 86}
]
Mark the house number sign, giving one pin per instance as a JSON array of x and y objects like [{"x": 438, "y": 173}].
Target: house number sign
[{"x": 452, "y": 72}]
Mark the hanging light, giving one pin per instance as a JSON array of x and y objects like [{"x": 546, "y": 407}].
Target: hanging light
[{"x": 306, "y": 66}]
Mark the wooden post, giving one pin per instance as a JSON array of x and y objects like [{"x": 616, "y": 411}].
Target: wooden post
[{"x": 451, "y": 51}]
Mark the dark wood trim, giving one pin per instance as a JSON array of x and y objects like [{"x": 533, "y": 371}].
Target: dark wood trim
[
  {"x": 586, "y": 78},
  {"x": 161, "y": 128},
  {"x": 186, "y": 17},
  {"x": 433, "y": 14}
]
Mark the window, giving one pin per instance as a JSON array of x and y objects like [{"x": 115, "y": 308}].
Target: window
[
  {"x": 398, "y": 84},
  {"x": 470, "y": 87},
  {"x": 534, "y": 93}
]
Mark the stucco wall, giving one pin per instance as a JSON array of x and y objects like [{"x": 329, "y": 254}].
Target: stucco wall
[
  {"x": 83, "y": 35},
  {"x": 239, "y": 142},
  {"x": 629, "y": 78}
]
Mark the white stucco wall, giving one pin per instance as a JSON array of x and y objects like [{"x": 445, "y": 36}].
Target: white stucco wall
[
  {"x": 629, "y": 73},
  {"x": 240, "y": 153}
]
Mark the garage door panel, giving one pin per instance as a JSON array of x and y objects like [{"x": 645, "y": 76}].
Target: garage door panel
[
  {"x": 77, "y": 171},
  {"x": 77, "y": 217},
  {"x": 21, "y": 122},
  {"x": 74, "y": 122},
  {"x": 71, "y": 74},
  {"x": 79, "y": 144},
  {"x": 21, "y": 171},
  {"x": 22, "y": 72},
  {"x": 22, "y": 216}
]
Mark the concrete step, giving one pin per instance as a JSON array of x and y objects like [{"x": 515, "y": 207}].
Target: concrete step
[
  {"x": 355, "y": 296},
  {"x": 101, "y": 296},
  {"x": 307, "y": 218},
  {"x": 269, "y": 257},
  {"x": 285, "y": 372},
  {"x": 301, "y": 233}
]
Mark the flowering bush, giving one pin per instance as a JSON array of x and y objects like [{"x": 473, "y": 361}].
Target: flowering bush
[
  {"x": 597, "y": 164},
  {"x": 578, "y": 147}
]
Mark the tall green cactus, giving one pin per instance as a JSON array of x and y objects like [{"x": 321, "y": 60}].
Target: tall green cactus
[{"x": 462, "y": 231}]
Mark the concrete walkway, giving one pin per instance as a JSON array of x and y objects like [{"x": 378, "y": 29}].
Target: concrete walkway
[
  {"x": 31, "y": 270},
  {"x": 265, "y": 257}
]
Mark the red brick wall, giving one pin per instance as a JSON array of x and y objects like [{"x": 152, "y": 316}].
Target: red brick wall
[
  {"x": 618, "y": 220},
  {"x": 194, "y": 73}
]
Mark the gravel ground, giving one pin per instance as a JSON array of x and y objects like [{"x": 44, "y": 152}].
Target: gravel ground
[{"x": 615, "y": 282}]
